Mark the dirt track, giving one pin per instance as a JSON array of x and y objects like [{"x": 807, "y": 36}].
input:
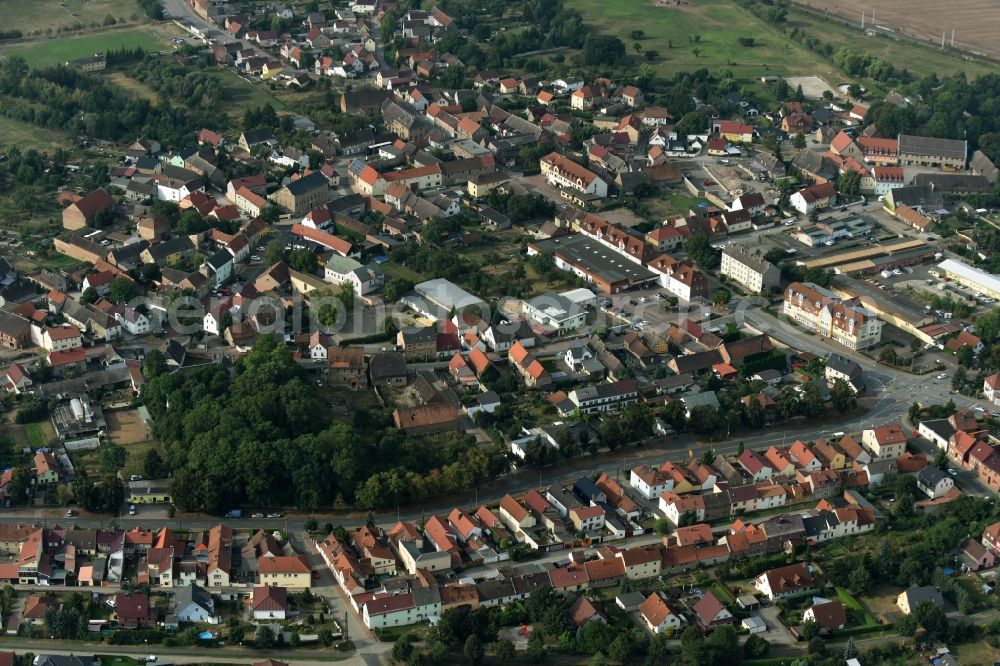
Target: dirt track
[{"x": 976, "y": 22}]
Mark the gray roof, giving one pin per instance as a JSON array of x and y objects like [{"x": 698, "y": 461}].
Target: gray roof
[
  {"x": 953, "y": 182},
  {"x": 927, "y": 145},
  {"x": 705, "y": 398},
  {"x": 193, "y": 594},
  {"x": 12, "y": 324},
  {"x": 313, "y": 181},
  {"x": 842, "y": 364},
  {"x": 940, "y": 427},
  {"x": 930, "y": 476},
  {"x": 61, "y": 660},
  {"x": 163, "y": 250},
  {"x": 446, "y": 294},
  {"x": 595, "y": 257},
  {"x": 259, "y": 135},
  {"x": 917, "y": 196},
  {"x": 749, "y": 259},
  {"x": 918, "y": 595},
  {"x": 219, "y": 259},
  {"x": 385, "y": 365},
  {"x": 488, "y": 398}
]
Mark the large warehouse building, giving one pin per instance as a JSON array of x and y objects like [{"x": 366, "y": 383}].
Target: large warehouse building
[{"x": 971, "y": 277}]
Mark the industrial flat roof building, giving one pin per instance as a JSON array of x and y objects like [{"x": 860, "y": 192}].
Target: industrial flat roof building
[
  {"x": 971, "y": 276},
  {"x": 447, "y": 295},
  {"x": 595, "y": 262}
]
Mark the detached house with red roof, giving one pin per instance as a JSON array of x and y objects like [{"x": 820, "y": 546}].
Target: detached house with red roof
[
  {"x": 991, "y": 388},
  {"x": 288, "y": 571},
  {"x": 784, "y": 581},
  {"x": 133, "y": 610},
  {"x": 657, "y": 615},
  {"x": 813, "y": 197},
  {"x": 531, "y": 370},
  {"x": 886, "y": 442}
]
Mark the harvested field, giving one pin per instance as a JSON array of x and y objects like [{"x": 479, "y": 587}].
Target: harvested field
[
  {"x": 43, "y": 16},
  {"x": 976, "y": 22},
  {"x": 125, "y": 427}
]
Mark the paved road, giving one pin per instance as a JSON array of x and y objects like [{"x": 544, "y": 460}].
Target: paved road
[
  {"x": 181, "y": 10},
  {"x": 178, "y": 655}
]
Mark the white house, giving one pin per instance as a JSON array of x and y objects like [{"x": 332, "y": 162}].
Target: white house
[
  {"x": 933, "y": 482},
  {"x": 193, "y": 603},
  {"x": 61, "y": 338},
  {"x": 784, "y": 581},
  {"x": 657, "y": 615},
  {"x": 752, "y": 202},
  {"x": 133, "y": 321},
  {"x": 650, "y": 482},
  {"x": 364, "y": 279},
  {"x": 991, "y": 388},
  {"x": 269, "y": 602}
]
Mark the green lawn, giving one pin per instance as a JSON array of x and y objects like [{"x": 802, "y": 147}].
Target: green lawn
[
  {"x": 716, "y": 24},
  {"x": 38, "y": 434},
  {"x": 850, "y": 602},
  {"x": 56, "y": 51}
]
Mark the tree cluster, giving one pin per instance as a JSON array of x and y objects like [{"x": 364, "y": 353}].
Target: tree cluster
[{"x": 220, "y": 433}]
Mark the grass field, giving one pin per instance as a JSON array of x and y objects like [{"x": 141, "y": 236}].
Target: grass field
[
  {"x": 137, "y": 456},
  {"x": 717, "y": 24},
  {"x": 54, "y": 14},
  {"x": 55, "y": 51},
  {"x": 242, "y": 95},
  {"x": 132, "y": 87},
  {"x": 850, "y": 602},
  {"x": 15, "y": 133},
  {"x": 39, "y": 434}
]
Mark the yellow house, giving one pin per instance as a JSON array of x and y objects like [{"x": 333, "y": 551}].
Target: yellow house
[
  {"x": 149, "y": 492},
  {"x": 682, "y": 484},
  {"x": 833, "y": 456},
  {"x": 484, "y": 183},
  {"x": 288, "y": 571},
  {"x": 270, "y": 70}
]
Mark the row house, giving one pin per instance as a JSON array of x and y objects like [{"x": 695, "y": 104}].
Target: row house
[{"x": 822, "y": 312}]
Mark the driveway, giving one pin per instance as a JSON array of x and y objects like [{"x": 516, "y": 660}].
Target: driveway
[{"x": 777, "y": 633}]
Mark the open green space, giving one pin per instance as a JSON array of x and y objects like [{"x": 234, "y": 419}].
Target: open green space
[
  {"x": 706, "y": 33},
  {"x": 48, "y": 16},
  {"x": 703, "y": 33},
  {"x": 13, "y": 132},
  {"x": 59, "y": 50},
  {"x": 241, "y": 94}
]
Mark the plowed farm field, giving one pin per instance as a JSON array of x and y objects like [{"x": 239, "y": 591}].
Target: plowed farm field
[{"x": 976, "y": 22}]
